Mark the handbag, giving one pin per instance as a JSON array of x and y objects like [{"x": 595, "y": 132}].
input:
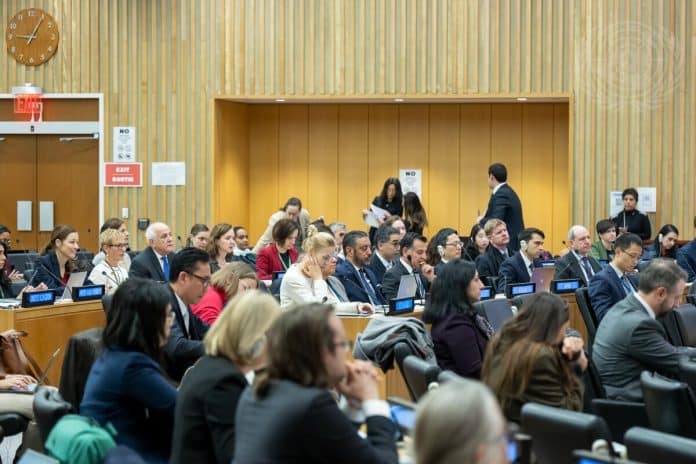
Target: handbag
[{"x": 14, "y": 359}]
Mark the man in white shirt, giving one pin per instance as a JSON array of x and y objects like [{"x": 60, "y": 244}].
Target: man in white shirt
[
  {"x": 518, "y": 268},
  {"x": 577, "y": 264}
]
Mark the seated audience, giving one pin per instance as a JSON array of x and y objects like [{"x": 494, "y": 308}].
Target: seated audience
[
  {"x": 478, "y": 243},
  {"x": 686, "y": 258},
  {"x": 665, "y": 244},
  {"x": 357, "y": 278},
  {"x": 338, "y": 230},
  {"x": 241, "y": 241},
  {"x": 231, "y": 279},
  {"x": 471, "y": 433},
  {"x": 126, "y": 387},
  {"x": 155, "y": 260},
  {"x": 291, "y": 415},
  {"x": 293, "y": 211},
  {"x": 109, "y": 271},
  {"x": 6, "y": 288},
  {"x": 577, "y": 264},
  {"x": 397, "y": 223},
  {"x": 629, "y": 340},
  {"x": 630, "y": 220},
  {"x": 121, "y": 226},
  {"x": 235, "y": 347},
  {"x": 488, "y": 264},
  {"x": 281, "y": 254},
  {"x": 220, "y": 246},
  {"x": 386, "y": 251},
  {"x": 443, "y": 247},
  {"x": 6, "y": 235},
  {"x": 415, "y": 218},
  {"x": 617, "y": 280},
  {"x": 57, "y": 259},
  {"x": 518, "y": 268},
  {"x": 188, "y": 281},
  {"x": 311, "y": 280},
  {"x": 198, "y": 237},
  {"x": 459, "y": 332},
  {"x": 532, "y": 359},
  {"x": 603, "y": 248},
  {"x": 412, "y": 261}
]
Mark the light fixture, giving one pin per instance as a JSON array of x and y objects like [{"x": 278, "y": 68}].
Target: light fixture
[
  {"x": 521, "y": 99},
  {"x": 280, "y": 100},
  {"x": 399, "y": 100}
]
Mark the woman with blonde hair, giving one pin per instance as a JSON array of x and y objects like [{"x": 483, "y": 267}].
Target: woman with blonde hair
[
  {"x": 110, "y": 271},
  {"x": 235, "y": 347},
  {"x": 231, "y": 279},
  {"x": 220, "y": 246}
]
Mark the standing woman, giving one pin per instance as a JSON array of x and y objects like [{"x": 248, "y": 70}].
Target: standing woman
[
  {"x": 57, "y": 259},
  {"x": 281, "y": 254},
  {"x": 415, "y": 218},
  {"x": 109, "y": 271},
  {"x": 199, "y": 237},
  {"x": 220, "y": 246},
  {"x": 478, "y": 242},
  {"x": 665, "y": 244},
  {"x": 391, "y": 198},
  {"x": 630, "y": 220}
]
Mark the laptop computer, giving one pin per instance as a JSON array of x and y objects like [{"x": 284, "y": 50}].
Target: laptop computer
[
  {"x": 542, "y": 277},
  {"x": 76, "y": 280},
  {"x": 407, "y": 287}
]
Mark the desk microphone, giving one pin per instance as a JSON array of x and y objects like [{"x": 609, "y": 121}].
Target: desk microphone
[
  {"x": 48, "y": 271},
  {"x": 568, "y": 264},
  {"x": 104, "y": 273}
]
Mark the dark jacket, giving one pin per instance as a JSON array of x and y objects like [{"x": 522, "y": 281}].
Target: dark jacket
[
  {"x": 346, "y": 273},
  {"x": 568, "y": 267},
  {"x": 459, "y": 344},
  {"x": 394, "y": 208},
  {"x": 48, "y": 272},
  {"x": 488, "y": 264},
  {"x": 147, "y": 265},
  {"x": 606, "y": 289},
  {"x": 506, "y": 206},
  {"x": 392, "y": 279},
  {"x": 686, "y": 258},
  {"x": 512, "y": 271},
  {"x": 635, "y": 221},
  {"x": 377, "y": 267}
]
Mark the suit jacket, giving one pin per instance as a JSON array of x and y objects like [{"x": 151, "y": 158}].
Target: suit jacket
[
  {"x": 459, "y": 344},
  {"x": 488, "y": 264},
  {"x": 512, "y": 271},
  {"x": 686, "y": 258},
  {"x": 392, "y": 279},
  {"x": 183, "y": 347},
  {"x": 377, "y": 267},
  {"x": 568, "y": 267},
  {"x": 206, "y": 404},
  {"x": 147, "y": 265},
  {"x": 629, "y": 341},
  {"x": 268, "y": 261},
  {"x": 349, "y": 277},
  {"x": 292, "y": 423},
  {"x": 505, "y": 205},
  {"x": 606, "y": 289},
  {"x": 48, "y": 272}
]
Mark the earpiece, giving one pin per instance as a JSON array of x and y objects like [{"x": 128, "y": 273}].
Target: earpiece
[
  {"x": 523, "y": 245},
  {"x": 441, "y": 250},
  {"x": 660, "y": 237}
]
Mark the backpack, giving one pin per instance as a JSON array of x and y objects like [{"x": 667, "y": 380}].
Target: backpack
[{"x": 80, "y": 440}]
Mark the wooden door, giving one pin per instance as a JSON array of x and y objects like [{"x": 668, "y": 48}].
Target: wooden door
[
  {"x": 18, "y": 182},
  {"x": 68, "y": 175}
]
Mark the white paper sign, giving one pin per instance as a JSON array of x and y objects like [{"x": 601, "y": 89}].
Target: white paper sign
[
  {"x": 23, "y": 216},
  {"x": 46, "y": 216},
  {"x": 124, "y": 144},
  {"x": 411, "y": 181},
  {"x": 168, "y": 173},
  {"x": 615, "y": 203},
  {"x": 647, "y": 199}
]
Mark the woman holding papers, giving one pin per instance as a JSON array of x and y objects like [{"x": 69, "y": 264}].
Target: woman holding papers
[
  {"x": 390, "y": 200},
  {"x": 109, "y": 271}
]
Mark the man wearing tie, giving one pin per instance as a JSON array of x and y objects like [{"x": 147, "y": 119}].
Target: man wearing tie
[
  {"x": 504, "y": 203},
  {"x": 412, "y": 261},
  {"x": 577, "y": 264},
  {"x": 386, "y": 251},
  {"x": 617, "y": 280},
  {"x": 359, "y": 281},
  {"x": 518, "y": 268},
  {"x": 154, "y": 261}
]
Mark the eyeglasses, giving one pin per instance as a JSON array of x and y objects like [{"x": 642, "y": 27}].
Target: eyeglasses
[
  {"x": 204, "y": 280},
  {"x": 395, "y": 242},
  {"x": 345, "y": 344},
  {"x": 118, "y": 245},
  {"x": 455, "y": 244},
  {"x": 632, "y": 255}
]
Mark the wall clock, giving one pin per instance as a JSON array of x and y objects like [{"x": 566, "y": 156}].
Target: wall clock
[{"x": 32, "y": 37}]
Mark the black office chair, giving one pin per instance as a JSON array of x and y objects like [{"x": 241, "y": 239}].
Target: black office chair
[
  {"x": 497, "y": 311},
  {"x": 653, "y": 447},
  {"x": 687, "y": 371},
  {"x": 520, "y": 300},
  {"x": 670, "y": 405},
  {"x": 419, "y": 374},
  {"x": 556, "y": 433},
  {"x": 83, "y": 349},
  {"x": 582, "y": 296},
  {"x": 448, "y": 376},
  {"x": 685, "y": 317},
  {"x": 106, "y": 303},
  {"x": 11, "y": 424},
  {"x": 593, "y": 387},
  {"x": 669, "y": 323},
  {"x": 49, "y": 406},
  {"x": 620, "y": 416}
]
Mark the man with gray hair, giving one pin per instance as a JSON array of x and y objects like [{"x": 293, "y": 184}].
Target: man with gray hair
[
  {"x": 338, "y": 229},
  {"x": 153, "y": 262},
  {"x": 577, "y": 264},
  {"x": 629, "y": 340}
]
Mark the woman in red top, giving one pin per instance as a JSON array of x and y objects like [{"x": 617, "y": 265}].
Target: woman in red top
[
  {"x": 281, "y": 254},
  {"x": 231, "y": 279}
]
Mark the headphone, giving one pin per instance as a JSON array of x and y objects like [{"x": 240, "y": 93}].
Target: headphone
[
  {"x": 660, "y": 237},
  {"x": 441, "y": 250},
  {"x": 523, "y": 245}
]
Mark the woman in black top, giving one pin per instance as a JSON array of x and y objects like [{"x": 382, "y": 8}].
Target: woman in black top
[
  {"x": 630, "y": 219},
  {"x": 478, "y": 242},
  {"x": 414, "y": 214},
  {"x": 390, "y": 199}
]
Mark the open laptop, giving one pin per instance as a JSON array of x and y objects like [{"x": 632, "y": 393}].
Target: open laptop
[
  {"x": 542, "y": 277},
  {"x": 76, "y": 280},
  {"x": 407, "y": 286}
]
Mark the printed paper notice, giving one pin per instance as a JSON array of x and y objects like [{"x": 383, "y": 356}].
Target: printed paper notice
[
  {"x": 411, "y": 181},
  {"x": 615, "y": 203},
  {"x": 169, "y": 173},
  {"x": 124, "y": 144},
  {"x": 647, "y": 199}
]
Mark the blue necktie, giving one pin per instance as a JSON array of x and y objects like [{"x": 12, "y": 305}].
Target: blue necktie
[
  {"x": 419, "y": 282},
  {"x": 165, "y": 268},
  {"x": 588, "y": 269},
  {"x": 368, "y": 288},
  {"x": 626, "y": 284}
]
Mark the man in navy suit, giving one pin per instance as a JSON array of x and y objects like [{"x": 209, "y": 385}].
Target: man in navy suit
[
  {"x": 577, "y": 264},
  {"x": 386, "y": 251},
  {"x": 154, "y": 261},
  {"x": 504, "y": 203},
  {"x": 488, "y": 264},
  {"x": 617, "y": 280},
  {"x": 518, "y": 268},
  {"x": 360, "y": 282}
]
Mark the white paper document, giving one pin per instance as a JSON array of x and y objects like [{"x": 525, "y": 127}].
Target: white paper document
[
  {"x": 169, "y": 173},
  {"x": 375, "y": 215}
]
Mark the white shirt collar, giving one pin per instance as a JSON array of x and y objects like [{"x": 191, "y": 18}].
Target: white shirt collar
[
  {"x": 387, "y": 264},
  {"x": 497, "y": 187},
  {"x": 406, "y": 265},
  {"x": 647, "y": 307},
  {"x": 618, "y": 271},
  {"x": 183, "y": 307},
  {"x": 526, "y": 260}
]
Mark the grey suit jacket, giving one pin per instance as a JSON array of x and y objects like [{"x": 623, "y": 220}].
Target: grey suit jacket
[{"x": 629, "y": 341}]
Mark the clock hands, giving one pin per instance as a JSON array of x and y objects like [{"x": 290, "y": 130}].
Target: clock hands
[
  {"x": 23, "y": 36},
  {"x": 33, "y": 33}
]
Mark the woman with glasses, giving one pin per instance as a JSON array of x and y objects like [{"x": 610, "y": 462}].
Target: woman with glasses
[
  {"x": 232, "y": 279},
  {"x": 110, "y": 272},
  {"x": 311, "y": 280},
  {"x": 443, "y": 248}
]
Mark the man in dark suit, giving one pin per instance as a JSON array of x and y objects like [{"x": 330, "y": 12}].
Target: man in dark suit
[
  {"x": 488, "y": 264},
  {"x": 386, "y": 251},
  {"x": 291, "y": 416},
  {"x": 358, "y": 280},
  {"x": 518, "y": 267},
  {"x": 189, "y": 280},
  {"x": 504, "y": 203},
  {"x": 412, "y": 261},
  {"x": 577, "y": 264},
  {"x": 629, "y": 340},
  {"x": 154, "y": 262},
  {"x": 686, "y": 258},
  {"x": 617, "y": 280}
]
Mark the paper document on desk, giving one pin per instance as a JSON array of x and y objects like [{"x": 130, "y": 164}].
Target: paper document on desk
[{"x": 375, "y": 215}]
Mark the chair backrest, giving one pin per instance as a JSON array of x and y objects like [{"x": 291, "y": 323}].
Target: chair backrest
[
  {"x": 419, "y": 374},
  {"x": 668, "y": 321},
  {"x": 582, "y": 296},
  {"x": 593, "y": 386},
  {"x": 687, "y": 371},
  {"x": 106, "y": 303},
  {"x": 520, "y": 300},
  {"x": 82, "y": 350},
  {"x": 669, "y": 404},
  {"x": 12, "y": 423},
  {"x": 556, "y": 433},
  {"x": 685, "y": 317},
  {"x": 49, "y": 406},
  {"x": 620, "y": 416},
  {"x": 23, "y": 261},
  {"x": 653, "y": 447},
  {"x": 448, "y": 376},
  {"x": 497, "y": 311}
]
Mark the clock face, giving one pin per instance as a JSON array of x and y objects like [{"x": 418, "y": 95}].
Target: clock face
[{"x": 32, "y": 37}]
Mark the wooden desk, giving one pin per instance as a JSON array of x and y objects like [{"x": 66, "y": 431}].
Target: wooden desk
[
  {"x": 576, "y": 321},
  {"x": 50, "y": 327}
]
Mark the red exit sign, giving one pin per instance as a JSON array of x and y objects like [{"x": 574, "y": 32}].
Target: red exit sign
[{"x": 123, "y": 174}]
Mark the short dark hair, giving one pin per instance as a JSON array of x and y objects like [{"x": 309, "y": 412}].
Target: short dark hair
[
  {"x": 292, "y": 201},
  {"x": 198, "y": 228},
  {"x": 284, "y": 229},
  {"x": 237, "y": 229},
  {"x": 624, "y": 241},
  {"x": 186, "y": 260},
  {"x": 440, "y": 239},
  {"x": 630, "y": 191},
  {"x": 660, "y": 272},
  {"x": 527, "y": 233},
  {"x": 383, "y": 233},
  {"x": 4, "y": 280},
  {"x": 111, "y": 223},
  {"x": 448, "y": 293},
  {"x": 137, "y": 317},
  {"x": 499, "y": 171},
  {"x": 604, "y": 225},
  {"x": 408, "y": 239},
  {"x": 4, "y": 229},
  {"x": 351, "y": 238}
]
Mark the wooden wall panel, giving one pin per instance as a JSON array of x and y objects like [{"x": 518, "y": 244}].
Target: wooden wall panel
[
  {"x": 383, "y": 133},
  {"x": 475, "y": 136},
  {"x": 443, "y": 169},
  {"x": 353, "y": 165},
  {"x": 231, "y": 174},
  {"x": 323, "y": 161},
  {"x": 293, "y": 151},
  {"x": 263, "y": 167}
]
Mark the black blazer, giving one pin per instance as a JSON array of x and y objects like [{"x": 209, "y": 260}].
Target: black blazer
[
  {"x": 635, "y": 221},
  {"x": 392, "y": 279},
  {"x": 183, "y": 347},
  {"x": 292, "y": 423},
  {"x": 346, "y": 273},
  {"x": 147, "y": 266},
  {"x": 568, "y": 267},
  {"x": 506, "y": 206},
  {"x": 48, "y": 272},
  {"x": 488, "y": 264},
  {"x": 206, "y": 404},
  {"x": 605, "y": 290},
  {"x": 377, "y": 267},
  {"x": 512, "y": 271}
]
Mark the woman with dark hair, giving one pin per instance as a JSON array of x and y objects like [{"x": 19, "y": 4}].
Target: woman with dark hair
[
  {"x": 6, "y": 290},
  {"x": 198, "y": 237},
  {"x": 443, "y": 248},
  {"x": 126, "y": 386},
  {"x": 630, "y": 219},
  {"x": 532, "y": 359},
  {"x": 391, "y": 199},
  {"x": 281, "y": 254},
  {"x": 459, "y": 333},
  {"x": 220, "y": 246},
  {"x": 58, "y": 258},
  {"x": 415, "y": 218},
  {"x": 478, "y": 243},
  {"x": 665, "y": 244}
]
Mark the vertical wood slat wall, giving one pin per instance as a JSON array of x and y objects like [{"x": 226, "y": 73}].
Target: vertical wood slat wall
[{"x": 160, "y": 63}]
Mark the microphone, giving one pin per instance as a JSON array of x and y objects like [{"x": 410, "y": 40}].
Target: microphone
[
  {"x": 48, "y": 271},
  {"x": 557, "y": 273},
  {"x": 104, "y": 273},
  {"x": 498, "y": 286}
]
